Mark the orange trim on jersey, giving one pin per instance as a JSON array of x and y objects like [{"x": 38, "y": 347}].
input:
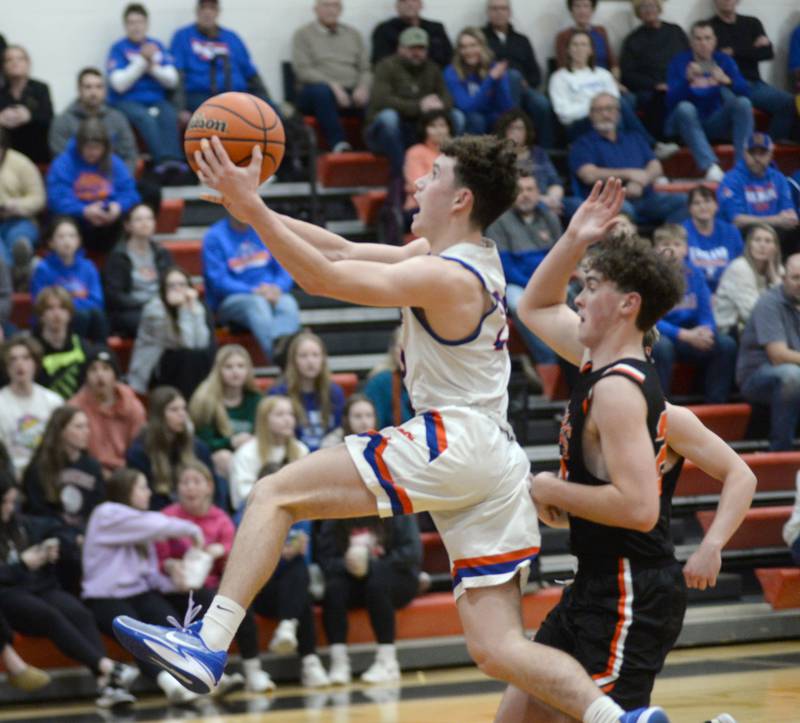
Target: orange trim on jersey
[
  {"x": 627, "y": 370},
  {"x": 661, "y": 456},
  {"x": 401, "y": 504},
  {"x": 624, "y": 618},
  {"x": 494, "y": 559}
]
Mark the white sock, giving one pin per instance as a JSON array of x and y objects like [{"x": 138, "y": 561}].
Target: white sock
[
  {"x": 221, "y": 622},
  {"x": 603, "y": 710},
  {"x": 386, "y": 653},
  {"x": 338, "y": 651},
  {"x": 251, "y": 666},
  {"x": 166, "y": 682}
]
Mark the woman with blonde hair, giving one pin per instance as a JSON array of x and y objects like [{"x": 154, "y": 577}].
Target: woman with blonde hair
[
  {"x": 223, "y": 407},
  {"x": 746, "y": 277},
  {"x": 273, "y": 444},
  {"x": 286, "y": 595},
  {"x": 480, "y": 87},
  {"x": 317, "y": 401}
]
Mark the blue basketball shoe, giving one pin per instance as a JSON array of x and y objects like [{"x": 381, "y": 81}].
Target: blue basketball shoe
[
  {"x": 178, "y": 649},
  {"x": 645, "y": 715}
]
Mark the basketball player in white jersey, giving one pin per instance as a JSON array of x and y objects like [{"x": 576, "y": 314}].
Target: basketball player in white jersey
[{"x": 457, "y": 458}]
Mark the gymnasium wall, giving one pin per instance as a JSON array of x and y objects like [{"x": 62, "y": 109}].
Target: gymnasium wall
[{"x": 62, "y": 37}]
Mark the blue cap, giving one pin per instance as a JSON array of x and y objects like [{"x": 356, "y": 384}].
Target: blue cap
[{"x": 759, "y": 140}]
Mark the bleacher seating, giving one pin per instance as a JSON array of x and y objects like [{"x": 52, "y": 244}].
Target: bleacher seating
[
  {"x": 760, "y": 528},
  {"x": 781, "y": 586},
  {"x": 775, "y": 472}
]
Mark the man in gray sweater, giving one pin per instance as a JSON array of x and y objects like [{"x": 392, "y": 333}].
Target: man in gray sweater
[
  {"x": 331, "y": 66},
  {"x": 91, "y": 101}
]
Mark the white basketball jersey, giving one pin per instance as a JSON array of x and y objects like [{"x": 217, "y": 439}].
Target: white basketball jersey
[{"x": 474, "y": 371}]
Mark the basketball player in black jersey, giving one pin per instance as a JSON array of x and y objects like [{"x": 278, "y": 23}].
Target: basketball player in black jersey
[{"x": 620, "y": 460}]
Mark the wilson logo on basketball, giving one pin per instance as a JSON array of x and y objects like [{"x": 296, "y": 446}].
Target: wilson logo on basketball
[{"x": 199, "y": 121}]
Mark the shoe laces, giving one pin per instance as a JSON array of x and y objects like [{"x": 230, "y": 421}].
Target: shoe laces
[{"x": 192, "y": 611}]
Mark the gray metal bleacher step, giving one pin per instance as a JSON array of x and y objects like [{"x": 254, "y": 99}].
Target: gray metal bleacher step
[
  {"x": 358, "y": 363},
  {"x": 271, "y": 189}
]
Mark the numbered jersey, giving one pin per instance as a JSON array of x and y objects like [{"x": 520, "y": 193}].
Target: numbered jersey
[{"x": 470, "y": 372}]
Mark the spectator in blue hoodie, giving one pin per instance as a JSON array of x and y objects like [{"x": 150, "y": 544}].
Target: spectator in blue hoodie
[
  {"x": 92, "y": 185},
  {"x": 480, "y": 88},
  {"x": 212, "y": 59},
  {"x": 524, "y": 234},
  {"x": 688, "y": 332},
  {"x": 245, "y": 284},
  {"x": 754, "y": 191},
  {"x": 140, "y": 72},
  {"x": 66, "y": 265},
  {"x": 713, "y": 243},
  {"x": 707, "y": 98}
]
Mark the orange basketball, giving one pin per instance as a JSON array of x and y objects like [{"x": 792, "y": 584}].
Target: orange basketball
[{"x": 241, "y": 121}]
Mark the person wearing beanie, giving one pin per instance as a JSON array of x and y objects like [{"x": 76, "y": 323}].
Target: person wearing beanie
[{"x": 116, "y": 416}]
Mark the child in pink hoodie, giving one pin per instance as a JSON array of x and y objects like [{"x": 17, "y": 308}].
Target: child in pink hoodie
[{"x": 195, "y": 494}]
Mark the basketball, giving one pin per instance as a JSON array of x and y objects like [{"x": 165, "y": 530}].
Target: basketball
[{"x": 241, "y": 121}]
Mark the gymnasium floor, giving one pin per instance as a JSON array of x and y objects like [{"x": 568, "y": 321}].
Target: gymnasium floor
[{"x": 757, "y": 683}]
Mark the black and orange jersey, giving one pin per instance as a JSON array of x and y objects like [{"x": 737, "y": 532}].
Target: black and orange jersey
[{"x": 591, "y": 539}]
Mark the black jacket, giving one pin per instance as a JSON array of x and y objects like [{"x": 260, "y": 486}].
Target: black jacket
[
  {"x": 118, "y": 276},
  {"x": 31, "y": 138},
  {"x": 399, "y": 537},
  {"x": 646, "y": 55},
  {"x": 386, "y": 35},
  {"x": 740, "y": 35},
  {"x": 518, "y": 51}
]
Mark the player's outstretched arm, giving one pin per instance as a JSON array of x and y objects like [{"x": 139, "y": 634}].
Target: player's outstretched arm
[
  {"x": 687, "y": 436},
  {"x": 631, "y": 500},
  {"x": 337, "y": 248},
  {"x": 542, "y": 307},
  {"x": 428, "y": 282}
]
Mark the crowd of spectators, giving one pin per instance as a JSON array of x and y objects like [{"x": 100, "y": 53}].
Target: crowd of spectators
[{"x": 146, "y": 471}]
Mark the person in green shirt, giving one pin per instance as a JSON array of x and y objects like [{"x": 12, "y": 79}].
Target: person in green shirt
[{"x": 223, "y": 407}]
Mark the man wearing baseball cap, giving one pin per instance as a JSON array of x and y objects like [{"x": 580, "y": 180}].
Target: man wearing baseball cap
[
  {"x": 405, "y": 85},
  {"x": 754, "y": 191}
]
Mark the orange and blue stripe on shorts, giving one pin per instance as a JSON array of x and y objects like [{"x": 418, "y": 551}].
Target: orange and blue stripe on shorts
[
  {"x": 398, "y": 497},
  {"x": 435, "y": 436},
  {"x": 500, "y": 564}
]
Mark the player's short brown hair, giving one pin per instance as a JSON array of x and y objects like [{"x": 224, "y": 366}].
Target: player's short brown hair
[
  {"x": 487, "y": 166},
  {"x": 633, "y": 265}
]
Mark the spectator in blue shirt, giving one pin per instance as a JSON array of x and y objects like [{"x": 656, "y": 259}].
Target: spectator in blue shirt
[
  {"x": 317, "y": 401},
  {"x": 67, "y": 266},
  {"x": 212, "y": 59},
  {"x": 480, "y": 88},
  {"x": 707, "y": 98},
  {"x": 245, "y": 284},
  {"x": 607, "y": 151},
  {"x": 754, "y": 191},
  {"x": 688, "y": 333},
  {"x": 92, "y": 185},
  {"x": 713, "y": 243},
  {"x": 140, "y": 73}
]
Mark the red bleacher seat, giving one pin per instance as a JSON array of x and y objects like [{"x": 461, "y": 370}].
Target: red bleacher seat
[
  {"x": 729, "y": 421},
  {"x": 352, "y": 125},
  {"x": 682, "y": 165},
  {"x": 432, "y": 615},
  {"x": 187, "y": 254},
  {"x": 170, "y": 215},
  {"x": 683, "y": 186},
  {"x": 781, "y": 586},
  {"x": 337, "y": 170},
  {"x": 554, "y": 383},
  {"x": 368, "y": 205},
  {"x": 775, "y": 472},
  {"x": 761, "y": 527}
]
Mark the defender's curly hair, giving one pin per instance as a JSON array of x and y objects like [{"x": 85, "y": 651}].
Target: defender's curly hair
[
  {"x": 633, "y": 265},
  {"x": 487, "y": 166}
]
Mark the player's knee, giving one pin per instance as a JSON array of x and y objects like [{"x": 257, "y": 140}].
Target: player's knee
[
  {"x": 488, "y": 659},
  {"x": 274, "y": 491}
]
